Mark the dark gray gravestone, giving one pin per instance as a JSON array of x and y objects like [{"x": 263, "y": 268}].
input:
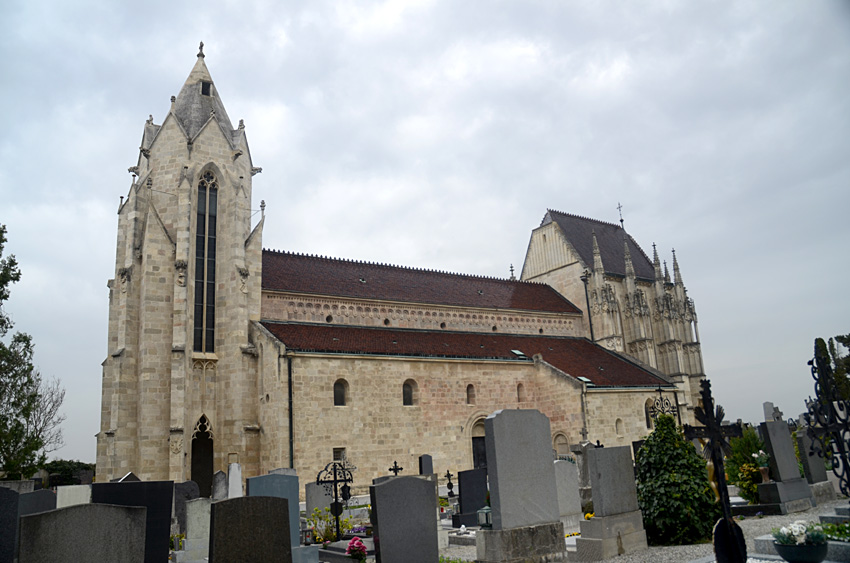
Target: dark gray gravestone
[
  {"x": 472, "y": 495},
  {"x": 283, "y": 471},
  {"x": 36, "y": 501},
  {"x": 183, "y": 492},
  {"x": 611, "y": 475},
  {"x": 403, "y": 522},
  {"x": 813, "y": 466},
  {"x": 280, "y": 486},
  {"x": 84, "y": 532},
  {"x": 246, "y": 525},
  {"x": 519, "y": 465},
  {"x": 8, "y": 524},
  {"x": 426, "y": 465},
  {"x": 777, "y": 442},
  {"x": 219, "y": 488},
  {"x": 156, "y": 496},
  {"x": 19, "y": 487}
]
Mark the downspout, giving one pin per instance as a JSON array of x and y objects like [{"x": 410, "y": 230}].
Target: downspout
[
  {"x": 584, "y": 278},
  {"x": 291, "y": 417}
]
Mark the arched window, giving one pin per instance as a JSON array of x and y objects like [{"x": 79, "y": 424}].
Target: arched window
[
  {"x": 520, "y": 393},
  {"x": 561, "y": 445},
  {"x": 618, "y": 425},
  {"x": 204, "y": 336},
  {"x": 340, "y": 393},
  {"x": 409, "y": 393},
  {"x": 470, "y": 394},
  {"x": 648, "y": 412}
]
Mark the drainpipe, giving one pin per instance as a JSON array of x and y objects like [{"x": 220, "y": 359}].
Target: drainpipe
[
  {"x": 291, "y": 417},
  {"x": 584, "y": 278}
]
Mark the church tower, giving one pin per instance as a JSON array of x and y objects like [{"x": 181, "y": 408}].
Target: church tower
[{"x": 179, "y": 375}]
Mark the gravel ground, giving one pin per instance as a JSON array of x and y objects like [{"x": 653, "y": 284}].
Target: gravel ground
[{"x": 752, "y": 527}]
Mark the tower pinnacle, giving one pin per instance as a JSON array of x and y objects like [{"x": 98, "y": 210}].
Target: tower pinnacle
[{"x": 201, "y": 51}]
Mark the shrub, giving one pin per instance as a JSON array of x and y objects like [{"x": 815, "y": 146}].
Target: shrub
[
  {"x": 749, "y": 477},
  {"x": 743, "y": 449},
  {"x": 673, "y": 492}
]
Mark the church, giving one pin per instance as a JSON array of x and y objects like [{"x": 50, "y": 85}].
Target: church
[{"x": 220, "y": 350}]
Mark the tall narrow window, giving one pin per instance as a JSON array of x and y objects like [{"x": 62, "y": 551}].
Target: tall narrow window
[{"x": 205, "y": 264}]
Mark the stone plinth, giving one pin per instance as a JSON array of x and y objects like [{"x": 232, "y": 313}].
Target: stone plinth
[
  {"x": 528, "y": 544},
  {"x": 792, "y": 495},
  {"x": 603, "y": 537}
]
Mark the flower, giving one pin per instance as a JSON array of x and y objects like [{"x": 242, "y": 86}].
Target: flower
[
  {"x": 762, "y": 458},
  {"x": 356, "y": 550},
  {"x": 800, "y": 533}
]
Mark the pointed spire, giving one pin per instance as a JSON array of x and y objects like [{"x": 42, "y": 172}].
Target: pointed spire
[
  {"x": 677, "y": 275},
  {"x": 198, "y": 100},
  {"x": 597, "y": 256},
  {"x": 666, "y": 273},
  {"x": 630, "y": 268},
  {"x": 656, "y": 264}
]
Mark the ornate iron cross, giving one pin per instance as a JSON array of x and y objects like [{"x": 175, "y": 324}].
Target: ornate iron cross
[
  {"x": 395, "y": 469},
  {"x": 829, "y": 419},
  {"x": 450, "y": 485},
  {"x": 335, "y": 477},
  {"x": 729, "y": 542}
]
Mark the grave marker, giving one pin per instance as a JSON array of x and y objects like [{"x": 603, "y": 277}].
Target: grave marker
[
  {"x": 426, "y": 465},
  {"x": 219, "y": 487},
  {"x": 71, "y": 495},
  {"x": 403, "y": 520},
  {"x": 234, "y": 480},
  {"x": 245, "y": 525},
  {"x": 472, "y": 495},
  {"x": 183, "y": 492},
  {"x": 8, "y": 523},
  {"x": 569, "y": 502},
  {"x": 196, "y": 545}
]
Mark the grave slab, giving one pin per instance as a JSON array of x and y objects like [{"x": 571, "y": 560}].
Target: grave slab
[
  {"x": 777, "y": 442},
  {"x": 403, "y": 520},
  {"x": 183, "y": 492},
  {"x": 219, "y": 488},
  {"x": 472, "y": 495},
  {"x": 813, "y": 466},
  {"x": 241, "y": 525},
  {"x": 279, "y": 486},
  {"x": 283, "y": 471},
  {"x": 611, "y": 476},
  {"x": 19, "y": 487},
  {"x": 85, "y": 532},
  {"x": 426, "y": 465},
  {"x": 9, "y": 499},
  {"x": 71, "y": 495},
  {"x": 234, "y": 480},
  {"x": 569, "y": 502},
  {"x": 538, "y": 543},
  {"x": 316, "y": 497},
  {"x": 156, "y": 496},
  {"x": 196, "y": 546}
]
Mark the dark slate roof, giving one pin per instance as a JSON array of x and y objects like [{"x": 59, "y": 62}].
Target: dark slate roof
[
  {"x": 284, "y": 271},
  {"x": 576, "y": 356},
  {"x": 579, "y": 231}
]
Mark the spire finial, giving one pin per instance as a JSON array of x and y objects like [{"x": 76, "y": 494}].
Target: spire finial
[
  {"x": 513, "y": 277},
  {"x": 677, "y": 275},
  {"x": 263, "y": 208},
  {"x": 630, "y": 269},
  {"x": 620, "y": 209},
  {"x": 666, "y": 273},
  {"x": 656, "y": 263},
  {"x": 201, "y": 50},
  {"x": 597, "y": 255}
]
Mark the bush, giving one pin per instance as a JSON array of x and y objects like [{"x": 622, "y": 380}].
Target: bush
[
  {"x": 749, "y": 477},
  {"x": 743, "y": 449},
  {"x": 673, "y": 492}
]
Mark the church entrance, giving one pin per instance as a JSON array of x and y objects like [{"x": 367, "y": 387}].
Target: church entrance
[
  {"x": 479, "y": 453},
  {"x": 202, "y": 457}
]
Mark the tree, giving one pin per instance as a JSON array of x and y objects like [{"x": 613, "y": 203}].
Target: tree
[
  {"x": 673, "y": 492},
  {"x": 840, "y": 364},
  {"x": 29, "y": 407}
]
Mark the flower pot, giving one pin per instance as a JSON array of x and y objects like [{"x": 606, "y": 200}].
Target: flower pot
[
  {"x": 805, "y": 553},
  {"x": 765, "y": 474}
]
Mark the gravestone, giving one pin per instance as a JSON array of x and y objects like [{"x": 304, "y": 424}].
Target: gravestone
[
  {"x": 472, "y": 495},
  {"x": 426, "y": 465},
  {"x": 523, "y": 495},
  {"x": 283, "y": 471},
  {"x": 71, "y": 495},
  {"x": 245, "y": 525},
  {"x": 84, "y": 532},
  {"x": 584, "y": 490},
  {"x": 617, "y": 525},
  {"x": 813, "y": 466},
  {"x": 772, "y": 413},
  {"x": 130, "y": 477},
  {"x": 286, "y": 487},
  {"x": 219, "y": 487},
  {"x": 317, "y": 496},
  {"x": 8, "y": 523},
  {"x": 403, "y": 523},
  {"x": 196, "y": 545},
  {"x": 183, "y": 492},
  {"x": 789, "y": 492},
  {"x": 156, "y": 496},
  {"x": 569, "y": 502},
  {"x": 19, "y": 487},
  {"x": 234, "y": 480},
  {"x": 36, "y": 501}
]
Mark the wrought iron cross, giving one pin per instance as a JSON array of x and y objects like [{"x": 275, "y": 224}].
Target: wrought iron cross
[
  {"x": 450, "y": 485},
  {"x": 335, "y": 477},
  {"x": 829, "y": 419},
  {"x": 395, "y": 469},
  {"x": 729, "y": 542},
  {"x": 663, "y": 405}
]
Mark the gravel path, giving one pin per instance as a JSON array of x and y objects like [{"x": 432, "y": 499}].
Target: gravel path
[{"x": 752, "y": 527}]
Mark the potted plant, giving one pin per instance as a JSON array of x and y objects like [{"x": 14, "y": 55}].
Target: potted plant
[
  {"x": 762, "y": 459},
  {"x": 800, "y": 542},
  {"x": 356, "y": 550}
]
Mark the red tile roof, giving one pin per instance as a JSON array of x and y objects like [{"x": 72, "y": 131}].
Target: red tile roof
[
  {"x": 575, "y": 356},
  {"x": 284, "y": 271},
  {"x": 579, "y": 231}
]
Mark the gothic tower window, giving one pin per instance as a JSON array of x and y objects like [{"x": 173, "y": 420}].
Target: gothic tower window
[{"x": 205, "y": 264}]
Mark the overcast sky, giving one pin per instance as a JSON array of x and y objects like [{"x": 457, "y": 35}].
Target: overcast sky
[{"x": 436, "y": 135}]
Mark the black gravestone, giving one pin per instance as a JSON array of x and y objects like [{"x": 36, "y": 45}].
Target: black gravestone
[
  {"x": 8, "y": 524},
  {"x": 36, "y": 501},
  {"x": 156, "y": 496},
  {"x": 254, "y": 526},
  {"x": 426, "y": 465},
  {"x": 183, "y": 492},
  {"x": 472, "y": 492},
  {"x": 403, "y": 521}
]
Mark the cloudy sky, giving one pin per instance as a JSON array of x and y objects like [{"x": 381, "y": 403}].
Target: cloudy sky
[{"x": 436, "y": 134}]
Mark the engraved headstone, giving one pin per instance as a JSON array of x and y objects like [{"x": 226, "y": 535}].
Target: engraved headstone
[
  {"x": 196, "y": 546},
  {"x": 183, "y": 492},
  {"x": 280, "y": 486},
  {"x": 246, "y": 525},
  {"x": 317, "y": 497},
  {"x": 403, "y": 520},
  {"x": 283, "y": 471},
  {"x": 813, "y": 466},
  {"x": 19, "y": 487},
  {"x": 234, "y": 480},
  {"x": 472, "y": 495},
  {"x": 569, "y": 503},
  {"x": 426, "y": 465},
  {"x": 84, "y": 532},
  {"x": 219, "y": 487},
  {"x": 156, "y": 496},
  {"x": 71, "y": 495}
]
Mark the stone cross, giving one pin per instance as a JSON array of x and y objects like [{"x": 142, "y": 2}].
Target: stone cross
[
  {"x": 395, "y": 469},
  {"x": 729, "y": 545}
]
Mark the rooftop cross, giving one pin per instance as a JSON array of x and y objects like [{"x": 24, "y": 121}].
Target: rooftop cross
[{"x": 620, "y": 209}]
